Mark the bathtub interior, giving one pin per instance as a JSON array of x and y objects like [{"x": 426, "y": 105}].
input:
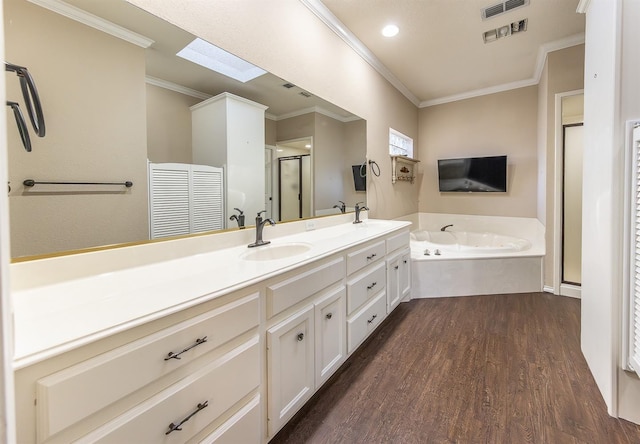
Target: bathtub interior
[
  {"x": 469, "y": 235},
  {"x": 470, "y": 241}
]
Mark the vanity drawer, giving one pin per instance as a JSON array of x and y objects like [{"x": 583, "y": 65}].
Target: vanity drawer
[
  {"x": 289, "y": 292},
  {"x": 364, "y": 285},
  {"x": 397, "y": 241},
  {"x": 359, "y": 259},
  {"x": 365, "y": 321},
  {"x": 72, "y": 394},
  {"x": 205, "y": 394},
  {"x": 243, "y": 427}
]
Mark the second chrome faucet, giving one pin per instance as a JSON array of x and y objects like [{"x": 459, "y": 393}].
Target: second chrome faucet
[{"x": 260, "y": 223}]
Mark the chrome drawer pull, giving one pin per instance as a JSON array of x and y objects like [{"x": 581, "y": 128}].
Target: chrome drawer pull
[
  {"x": 329, "y": 316},
  {"x": 172, "y": 355},
  {"x": 369, "y": 287},
  {"x": 176, "y": 427},
  {"x": 372, "y": 318},
  {"x": 371, "y": 257},
  {"x": 300, "y": 336}
]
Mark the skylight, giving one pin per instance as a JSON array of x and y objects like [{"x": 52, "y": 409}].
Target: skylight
[{"x": 210, "y": 56}]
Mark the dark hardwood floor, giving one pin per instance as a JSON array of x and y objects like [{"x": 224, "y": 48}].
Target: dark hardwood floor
[{"x": 480, "y": 369}]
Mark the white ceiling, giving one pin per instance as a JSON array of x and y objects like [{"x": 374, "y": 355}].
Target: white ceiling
[{"x": 439, "y": 54}]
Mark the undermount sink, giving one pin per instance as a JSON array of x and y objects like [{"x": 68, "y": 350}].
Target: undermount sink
[{"x": 275, "y": 251}]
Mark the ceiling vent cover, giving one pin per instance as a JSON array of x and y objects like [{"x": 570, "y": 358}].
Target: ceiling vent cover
[{"x": 501, "y": 8}]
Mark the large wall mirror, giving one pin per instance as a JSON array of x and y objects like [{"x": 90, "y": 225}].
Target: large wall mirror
[{"x": 116, "y": 98}]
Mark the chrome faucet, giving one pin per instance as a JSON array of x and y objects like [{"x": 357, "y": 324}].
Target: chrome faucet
[
  {"x": 238, "y": 218},
  {"x": 445, "y": 227},
  {"x": 342, "y": 207},
  {"x": 259, "y": 227},
  {"x": 359, "y": 208}
]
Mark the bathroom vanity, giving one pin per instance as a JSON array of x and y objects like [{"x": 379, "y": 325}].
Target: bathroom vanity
[{"x": 221, "y": 346}]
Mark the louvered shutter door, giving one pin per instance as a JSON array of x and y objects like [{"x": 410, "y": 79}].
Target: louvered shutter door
[
  {"x": 206, "y": 199},
  {"x": 635, "y": 295},
  {"x": 168, "y": 200},
  {"x": 184, "y": 199}
]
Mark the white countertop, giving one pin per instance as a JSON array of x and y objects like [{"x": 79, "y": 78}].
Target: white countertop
[{"x": 52, "y": 319}]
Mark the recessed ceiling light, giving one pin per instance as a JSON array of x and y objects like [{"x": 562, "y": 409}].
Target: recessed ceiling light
[
  {"x": 210, "y": 56},
  {"x": 390, "y": 30}
]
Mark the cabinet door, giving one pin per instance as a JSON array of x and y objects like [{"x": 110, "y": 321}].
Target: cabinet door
[
  {"x": 405, "y": 274},
  {"x": 330, "y": 327},
  {"x": 290, "y": 347},
  {"x": 393, "y": 282}
]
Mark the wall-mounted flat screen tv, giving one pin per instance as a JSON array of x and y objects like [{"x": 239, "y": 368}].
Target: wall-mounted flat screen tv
[
  {"x": 473, "y": 174},
  {"x": 360, "y": 177}
]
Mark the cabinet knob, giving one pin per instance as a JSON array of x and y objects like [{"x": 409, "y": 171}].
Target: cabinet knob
[
  {"x": 404, "y": 261},
  {"x": 329, "y": 316},
  {"x": 396, "y": 267},
  {"x": 300, "y": 336},
  {"x": 369, "y": 287}
]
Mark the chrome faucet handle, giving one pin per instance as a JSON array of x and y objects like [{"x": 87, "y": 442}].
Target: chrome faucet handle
[
  {"x": 260, "y": 212},
  {"x": 239, "y": 211}
]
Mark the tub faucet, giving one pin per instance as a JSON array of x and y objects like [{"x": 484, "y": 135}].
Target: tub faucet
[
  {"x": 445, "y": 227},
  {"x": 342, "y": 207},
  {"x": 259, "y": 227},
  {"x": 238, "y": 218},
  {"x": 359, "y": 208}
]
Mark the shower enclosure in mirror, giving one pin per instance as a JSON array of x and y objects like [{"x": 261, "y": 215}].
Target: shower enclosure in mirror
[{"x": 117, "y": 97}]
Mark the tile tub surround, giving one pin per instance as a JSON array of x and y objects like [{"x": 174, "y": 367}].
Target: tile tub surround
[
  {"x": 56, "y": 316},
  {"x": 461, "y": 273}
]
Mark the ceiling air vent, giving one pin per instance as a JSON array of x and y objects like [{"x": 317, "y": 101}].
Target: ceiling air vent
[
  {"x": 501, "y": 8},
  {"x": 305, "y": 94},
  {"x": 288, "y": 85}
]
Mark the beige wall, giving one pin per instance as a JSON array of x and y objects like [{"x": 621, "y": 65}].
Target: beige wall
[
  {"x": 355, "y": 154},
  {"x": 564, "y": 72},
  {"x": 330, "y": 70},
  {"x": 270, "y": 132},
  {"x": 94, "y": 133},
  {"x": 502, "y": 123},
  {"x": 329, "y": 162},
  {"x": 169, "y": 125}
]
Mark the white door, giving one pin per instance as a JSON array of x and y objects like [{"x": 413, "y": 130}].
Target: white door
[
  {"x": 290, "y": 361},
  {"x": 331, "y": 338}
]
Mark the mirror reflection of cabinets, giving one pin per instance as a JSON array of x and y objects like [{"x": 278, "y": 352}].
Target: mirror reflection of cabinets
[{"x": 112, "y": 105}]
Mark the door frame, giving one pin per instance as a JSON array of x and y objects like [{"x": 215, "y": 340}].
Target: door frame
[{"x": 560, "y": 288}]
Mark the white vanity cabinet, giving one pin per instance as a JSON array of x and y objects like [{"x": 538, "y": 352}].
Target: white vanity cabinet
[
  {"x": 235, "y": 367},
  {"x": 366, "y": 291},
  {"x": 305, "y": 336},
  {"x": 398, "y": 269},
  {"x": 134, "y": 391}
]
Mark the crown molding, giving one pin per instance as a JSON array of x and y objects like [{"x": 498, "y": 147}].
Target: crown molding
[
  {"x": 94, "y": 21},
  {"x": 583, "y": 6},
  {"x": 327, "y": 17},
  {"x": 177, "y": 88},
  {"x": 315, "y": 109},
  {"x": 543, "y": 52}
]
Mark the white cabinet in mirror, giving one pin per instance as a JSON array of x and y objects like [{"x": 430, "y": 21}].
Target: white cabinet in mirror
[{"x": 114, "y": 101}]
